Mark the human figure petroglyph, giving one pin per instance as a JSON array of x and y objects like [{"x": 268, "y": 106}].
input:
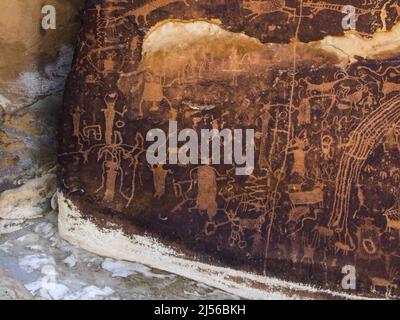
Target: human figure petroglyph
[
  {"x": 112, "y": 167},
  {"x": 112, "y": 62},
  {"x": 308, "y": 251},
  {"x": 299, "y": 155},
  {"x": 392, "y": 139},
  {"x": 234, "y": 65},
  {"x": 326, "y": 146},
  {"x": 207, "y": 190},
  {"x": 153, "y": 92},
  {"x": 304, "y": 115},
  {"x": 295, "y": 248},
  {"x": 114, "y": 152},
  {"x": 109, "y": 114},
  {"x": 76, "y": 122},
  {"x": 159, "y": 179},
  {"x": 133, "y": 155},
  {"x": 111, "y": 156},
  {"x": 237, "y": 229},
  {"x": 361, "y": 199},
  {"x": 255, "y": 216},
  {"x": 394, "y": 173}
]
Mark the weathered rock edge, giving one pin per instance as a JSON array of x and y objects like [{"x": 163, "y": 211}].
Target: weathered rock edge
[{"x": 113, "y": 243}]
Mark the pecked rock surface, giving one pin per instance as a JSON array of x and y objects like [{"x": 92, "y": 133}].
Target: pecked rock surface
[
  {"x": 324, "y": 105},
  {"x": 33, "y": 67}
]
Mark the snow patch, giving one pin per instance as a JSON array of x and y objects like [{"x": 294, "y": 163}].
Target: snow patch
[
  {"x": 45, "y": 229},
  {"x": 90, "y": 293},
  {"x": 29, "y": 239},
  {"x": 35, "y": 247},
  {"x": 70, "y": 261},
  {"x": 34, "y": 262},
  {"x": 47, "y": 286},
  {"x": 6, "y": 246},
  {"x": 52, "y": 290},
  {"x": 125, "y": 269}
]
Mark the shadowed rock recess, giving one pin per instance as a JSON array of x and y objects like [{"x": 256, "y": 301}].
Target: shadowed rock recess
[
  {"x": 324, "y": 104},
  {"x": 33, "y": 67}
]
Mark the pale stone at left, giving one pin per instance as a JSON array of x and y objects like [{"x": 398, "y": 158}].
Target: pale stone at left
[{"x": 30, "y": 200}]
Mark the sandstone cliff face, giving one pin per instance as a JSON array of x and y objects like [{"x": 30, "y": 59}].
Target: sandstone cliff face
[
  {"x": 33, "y": 66},
  {"x": 323, "y": 104}
]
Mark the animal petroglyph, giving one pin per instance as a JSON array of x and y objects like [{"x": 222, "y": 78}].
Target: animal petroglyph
[
  {"x": 261, "y": 7},
  {"x": 324, "y": 133}
]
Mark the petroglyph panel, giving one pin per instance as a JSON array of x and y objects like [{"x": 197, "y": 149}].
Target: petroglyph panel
[{"x": 324, "y": 106}]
